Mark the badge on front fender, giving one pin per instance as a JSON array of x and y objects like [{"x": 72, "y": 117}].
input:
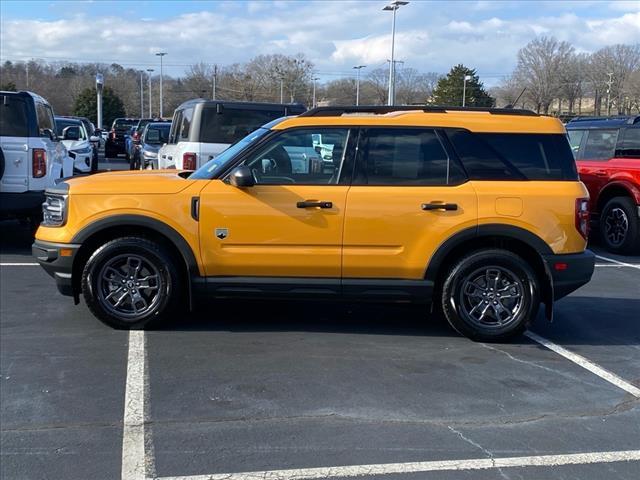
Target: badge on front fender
[{"x": 221, "y": 233}]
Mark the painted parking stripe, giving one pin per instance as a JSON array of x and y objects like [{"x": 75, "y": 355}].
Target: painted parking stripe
[
  {"x": 18, "y": 264},
  {"x": 586, "y": 364},
  {"x": 617, "y": 262},
  {"x": 423, "y": 467},
  {"x": 137, "y": 463}
]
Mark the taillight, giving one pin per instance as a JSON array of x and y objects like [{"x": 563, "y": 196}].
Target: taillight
[
  {"x": 39, "y": 163},
  {"x": 136, "y": 136},
  {"x": 189, "y": 161},
  {"x": 113, "y": 134},
  {"x": 582, "y": 216}
]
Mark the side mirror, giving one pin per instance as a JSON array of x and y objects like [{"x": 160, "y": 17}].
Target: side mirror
[
  {"x": 242, "y": 177},
  {"x": 71, "y": 133},
  {"x": 50, "y": 133}
]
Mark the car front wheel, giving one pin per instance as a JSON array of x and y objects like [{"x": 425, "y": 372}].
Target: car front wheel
[
  {"x": 131, "y": 283},
  {"x": 490, "y": 295},
  {"x": 620, "y": 226}
]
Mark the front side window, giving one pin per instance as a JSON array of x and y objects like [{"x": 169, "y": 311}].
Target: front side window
[
  {"x": 404, "y": 156},
  {"x": 175, "y": 127},
  {"x": 291, "y": 158},
  {"x": 185, "y": 124},
  {"x": 600, "y": 145}
]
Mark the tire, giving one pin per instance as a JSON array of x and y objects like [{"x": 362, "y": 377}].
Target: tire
[
  {"x": 155, "y": 268},
  {"x": 619, "y": 226},
  {"x": 473, "y": 286}
]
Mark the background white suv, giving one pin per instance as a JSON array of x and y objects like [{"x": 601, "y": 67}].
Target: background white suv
[{"x": 31, "y": 156}]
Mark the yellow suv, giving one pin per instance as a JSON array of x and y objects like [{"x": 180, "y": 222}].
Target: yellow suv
[{"x": 477, "y": 211}]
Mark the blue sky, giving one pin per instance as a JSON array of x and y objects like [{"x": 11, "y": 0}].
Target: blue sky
[{"x": 335, "y": 35}]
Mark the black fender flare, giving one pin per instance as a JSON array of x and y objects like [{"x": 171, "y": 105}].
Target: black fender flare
[
  {"x": 496, "y": 230},
  {"x": 163, "y": 229}
]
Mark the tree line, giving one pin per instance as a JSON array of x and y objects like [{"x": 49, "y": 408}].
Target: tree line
[{"x": 550, "y": 77}]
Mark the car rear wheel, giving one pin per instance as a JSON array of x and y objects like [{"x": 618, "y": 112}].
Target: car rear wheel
[
  {"x": 620, "y": 226},
  {"x": 490, "y": 295},
  {"x": 131, "y": 283}
]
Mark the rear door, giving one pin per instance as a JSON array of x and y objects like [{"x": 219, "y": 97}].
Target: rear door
[
  {"x": 407, "y": 197},
  {"x": 594, "y": 159},
  {"x": 14, "y": 141}
]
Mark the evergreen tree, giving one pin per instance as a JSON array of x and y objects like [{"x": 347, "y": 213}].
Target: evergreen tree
[
  {"x": 86, "y": 105},
  {"x": 449, "y": 90}
]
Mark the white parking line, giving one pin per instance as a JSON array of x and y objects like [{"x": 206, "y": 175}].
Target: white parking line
[
  {"x": 422, "y": 467},
  {"x": 18, "y": 264},
  {"x": 137, "y": 462},
  {"x": 586, "y": 364},
  {"x": 623, "y": 264}
]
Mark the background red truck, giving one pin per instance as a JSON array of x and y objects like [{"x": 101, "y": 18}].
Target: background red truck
[{"x": 607, "y": 152}]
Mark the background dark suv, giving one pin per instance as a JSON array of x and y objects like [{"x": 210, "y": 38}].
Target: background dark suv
[{"x": 116, "y": 140}]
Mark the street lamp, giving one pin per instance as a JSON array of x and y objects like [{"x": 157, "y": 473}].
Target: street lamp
[
  {"x": 161, "y": 54},
  {"x": 141, "y": 95},
  {"x": 357, "y": 69},
  {"x": 314, "y": 91},
  {"x": 393, "y": 6},
  {"x": 150, "y": 70},
  {"x": 464, "y": 89}
]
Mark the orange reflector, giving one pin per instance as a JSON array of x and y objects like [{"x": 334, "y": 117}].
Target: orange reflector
[
  {"x": 66, "y": 252},
  {"x": 560, "y": 266}
]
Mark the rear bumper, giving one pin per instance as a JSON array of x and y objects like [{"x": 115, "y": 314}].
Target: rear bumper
[
  {"x": 569, "y": 271},
  {"x": 56, "y": 263}
]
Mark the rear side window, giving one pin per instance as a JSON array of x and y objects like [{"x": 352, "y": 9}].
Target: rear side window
[
  {"x": 515, "y": 156},
  {"x": 629, "y": 147},
  {"x": 404, "y": 156},
  {"x": 600, "y": 145},
  {"x": 14, "y": 117},
  {"x": 232, "y": 124},
  {"x": 45, "y": 118}
]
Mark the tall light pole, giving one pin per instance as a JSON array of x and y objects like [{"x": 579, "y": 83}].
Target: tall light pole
[
  {"x": 313, "y": 103},
  {"x": 99, "y": 87},
  {"x": 609, "y": 83},
  {"x": 393, "y": 7},
  {"x": 357, "y": 69},
  {"x": 141, "y": 95},
  {"x": 150, "y": 70},
  {"x": 161, "y": 54},
  {"x": 464, "y": 89}
]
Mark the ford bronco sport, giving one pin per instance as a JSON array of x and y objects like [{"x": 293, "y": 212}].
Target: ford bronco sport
[
  {"x": 607, "y": 151},
  {"x": 477, "y": 211}
]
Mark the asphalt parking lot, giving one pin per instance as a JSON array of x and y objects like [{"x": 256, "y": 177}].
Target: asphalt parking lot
[{"x": 379, "y": 391}]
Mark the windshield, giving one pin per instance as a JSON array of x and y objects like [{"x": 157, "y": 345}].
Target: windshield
[{"x": 209, "y": 169}]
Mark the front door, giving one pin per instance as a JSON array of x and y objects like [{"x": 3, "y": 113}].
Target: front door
[{"x": 290, "y": 223}]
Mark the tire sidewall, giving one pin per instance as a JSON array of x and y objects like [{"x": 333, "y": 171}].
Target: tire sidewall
[
  {"x": 151, "y": 253},
  {"x": 484, "y": 259},
  {"x": 631, "y": 241}
]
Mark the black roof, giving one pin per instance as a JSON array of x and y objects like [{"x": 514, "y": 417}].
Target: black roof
[
  {"x": 381, "y": 110},
  {"x": 603, "y": 122},
  {"x": 221, "y": 104}
]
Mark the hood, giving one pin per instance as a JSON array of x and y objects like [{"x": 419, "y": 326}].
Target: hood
[
  {"x": 74, "y": 144},
  {"x": 137, "y": 182}
]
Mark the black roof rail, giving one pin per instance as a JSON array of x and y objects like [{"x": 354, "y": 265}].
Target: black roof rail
[{"x": 381, "y": 110}]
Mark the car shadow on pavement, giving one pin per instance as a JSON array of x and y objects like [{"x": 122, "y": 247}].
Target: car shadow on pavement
[{"x": 15, "y": 237}]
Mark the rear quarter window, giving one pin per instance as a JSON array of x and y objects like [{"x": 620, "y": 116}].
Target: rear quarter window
[
  {"x": 515, "y": 156},
  {"x": 14, "y": 117},
  {"x": 600, "y": 144},
  {"x": 232, "y": 124}
]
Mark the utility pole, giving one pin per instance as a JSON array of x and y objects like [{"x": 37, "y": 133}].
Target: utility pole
[
  {"x": 215, "y": 77},
  {"x": 282, "y": 90},
  {"x": 150, "y": 70},
  {"x": 464, "y": 89},
  {"x": 609, "y": 83},
  {"x": 313, "y": 103},
  {"x": 27, "y": 66},
  {"x": 141, "y": 95},
  {"x": 161, "y": 54},
  {"x": 357, "y": 69}
]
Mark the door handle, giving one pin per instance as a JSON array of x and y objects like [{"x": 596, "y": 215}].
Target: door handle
[
  {"x": 309, "y": 204},
  {"x": 440, "y": 206}
]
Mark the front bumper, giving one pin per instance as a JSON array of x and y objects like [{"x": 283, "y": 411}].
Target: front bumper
[
  {"x": 57, "y": 261},
  {"x": 569, "y": 271}
]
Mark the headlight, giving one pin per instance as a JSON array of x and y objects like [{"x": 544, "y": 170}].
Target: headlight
[
  {"x": 147, "y": 154},
  {"x": 54, "y": 210},
  {"x": 83, "y": 151}
]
